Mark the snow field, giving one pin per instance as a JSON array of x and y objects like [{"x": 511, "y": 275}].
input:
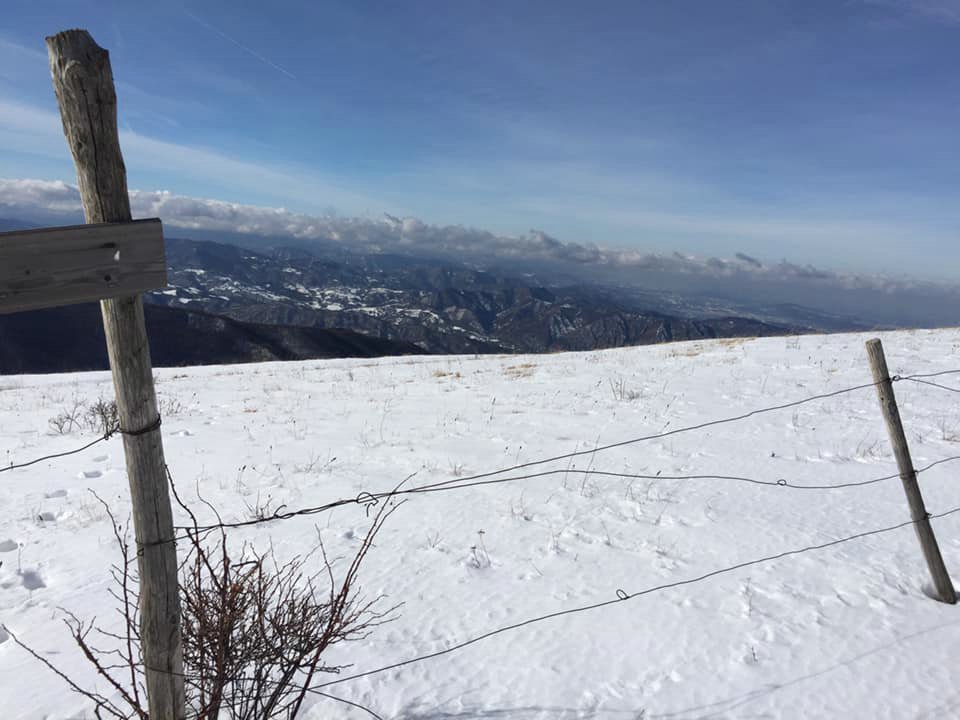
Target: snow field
[{"x": 841, "y": 632}]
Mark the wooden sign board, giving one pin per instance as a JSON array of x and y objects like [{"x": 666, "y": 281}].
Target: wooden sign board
[{"x": 49, "y": 267}]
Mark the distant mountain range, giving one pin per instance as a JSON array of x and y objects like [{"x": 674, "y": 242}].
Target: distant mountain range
[
  {"x": 229, "y": 303},
  {"x": 71, "y": 339},
  {"x": 437, "y": 306}
]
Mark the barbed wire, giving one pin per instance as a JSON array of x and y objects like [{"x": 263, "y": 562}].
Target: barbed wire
[
  {"x": 533, "y": 463},
  {"x": 103, "y": 438},
  {"x": 669, "y": 433},
  {"x": 203, "y": 714},
  {"x": 914, "y": 376},
  {"x": 622, "y": 596},
  {"x": 114, "y": 429},
  {"x": 918, "y": 377},
  {"x": 371, "y": 500},
  {"x": 357, "y": 705},
  {"x": 932, "y": 384}
]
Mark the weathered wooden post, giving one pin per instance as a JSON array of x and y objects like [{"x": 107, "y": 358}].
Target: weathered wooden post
[
  {"x": 921, "y": 520},
  {"x": 83, "y": 82}
]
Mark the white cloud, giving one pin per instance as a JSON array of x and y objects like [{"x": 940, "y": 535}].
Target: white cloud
[
  {"x": 51, "y": 196},
  {"x": 580, "y": 196},
  {"x": 25, "y": 198}
]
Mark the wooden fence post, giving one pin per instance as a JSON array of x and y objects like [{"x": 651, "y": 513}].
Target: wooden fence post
[
  {"x": 921, "y": 520},
  {"x": 83, "y": 82}
]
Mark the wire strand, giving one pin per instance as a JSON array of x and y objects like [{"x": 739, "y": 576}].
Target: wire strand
[
  {"x": 669, "y": 433},
  {"x": 931, "y": 384},
  {"x": 371, "y": 500},
  {"x": 623, "y": 596},
  {"x": 106, "y": 436},
  {"x": 930, "y": 375}
]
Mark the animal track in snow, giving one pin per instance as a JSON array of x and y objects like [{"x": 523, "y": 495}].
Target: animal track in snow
[
  {"x": 91, "y": 474},
  {"x": 49, "y": 516},
  {"x": 8, "y": 545},
  {"x": 56, "y": 494},
  {"x": 31, "y": 580}
]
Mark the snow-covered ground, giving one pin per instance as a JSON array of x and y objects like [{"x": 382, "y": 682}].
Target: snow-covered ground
[{"x": 844, "y": 632}]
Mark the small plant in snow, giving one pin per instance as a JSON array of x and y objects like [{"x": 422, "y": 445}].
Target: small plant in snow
[
  {"x": 555, "y": 536},
  {"x": 519, "y": 509},
  {"x": 621, "y": 392},
  {"x": 433, "y": 540},
  {"x": 170, "y": 406},
  {"x": 479, "y": 557},
  {"x": 261, "y": 509},
  {"x": 606, "y": 532},
  {"x": 67, "y": 419},
  {"x": 313, "y": 464},
  {"x": 948, "y": 433},
  {"x": 102, "y": 417},
  {"x": 663, "y": 550},
  {"x": 589, "y": 487}
]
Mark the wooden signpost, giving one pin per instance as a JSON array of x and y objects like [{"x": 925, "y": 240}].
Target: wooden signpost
[
  {"x": 50, "y": 267},
  {"x": 115, "y": 258}
]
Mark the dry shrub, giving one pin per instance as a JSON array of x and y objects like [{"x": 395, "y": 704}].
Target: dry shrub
[
  {"x": 255, "y": 631},
  {"x": 101, "y": 417},
  {"x": 445, "y": 373},
  {"x": 521, "y": 370}
]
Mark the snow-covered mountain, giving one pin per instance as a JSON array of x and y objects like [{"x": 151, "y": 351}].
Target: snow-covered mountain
[
  {"x": 441, "y": 307},
  {"x": 845, "y": 631}
]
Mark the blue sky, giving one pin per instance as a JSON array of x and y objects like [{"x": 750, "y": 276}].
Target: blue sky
[{"x": 822, "y": 132}]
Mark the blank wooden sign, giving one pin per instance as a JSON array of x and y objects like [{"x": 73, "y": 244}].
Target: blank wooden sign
[{"x": 65, "y": 265}]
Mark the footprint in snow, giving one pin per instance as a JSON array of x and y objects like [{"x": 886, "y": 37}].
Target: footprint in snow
[
  {"x": 4, "y": 635},
  {"x": 91, "y": 474},
  {"x": 8, "y": 545},
  {"x": 183, "y": 433},
  {"x": 31, "y": 580},
  {"x": 47, "y": 516},
  {"x": 56, "y": 494},
  {"x": 101, "y": 458}
]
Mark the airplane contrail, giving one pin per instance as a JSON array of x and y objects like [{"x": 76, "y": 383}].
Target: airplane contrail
[{"x": 240, "y": 45}]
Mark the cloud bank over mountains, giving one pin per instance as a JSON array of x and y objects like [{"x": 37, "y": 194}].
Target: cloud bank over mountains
[{"x": 55, "y": 201}]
